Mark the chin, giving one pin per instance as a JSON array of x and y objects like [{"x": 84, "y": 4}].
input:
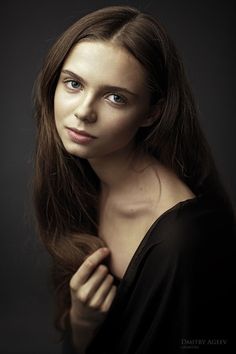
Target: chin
[{"x": 78, "y": 151}]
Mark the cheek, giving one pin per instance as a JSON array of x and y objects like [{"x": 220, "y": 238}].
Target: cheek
[
  {"x": 63, "y": 106},
  {"x": 58, "y": 106},
  {"x": 126, "y": 124}
]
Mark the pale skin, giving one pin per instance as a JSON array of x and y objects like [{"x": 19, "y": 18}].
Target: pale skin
[
  {"x": 136, "y": 188},
  {"x": 92, "y": 293}
]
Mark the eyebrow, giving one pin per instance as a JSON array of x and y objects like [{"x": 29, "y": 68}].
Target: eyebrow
[{"x": 105, "y": 87}]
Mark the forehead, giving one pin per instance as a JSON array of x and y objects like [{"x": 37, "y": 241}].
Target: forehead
[{"x": 107, "y": 63}]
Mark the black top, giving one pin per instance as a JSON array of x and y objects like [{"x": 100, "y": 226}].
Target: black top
[{"x": 178, "y": 292}]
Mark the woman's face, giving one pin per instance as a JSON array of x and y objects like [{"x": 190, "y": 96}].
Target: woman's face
[{"x": 101, "y": 100}]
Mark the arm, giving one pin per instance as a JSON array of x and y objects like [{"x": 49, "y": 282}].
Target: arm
[{"x": 92, "y": 293}]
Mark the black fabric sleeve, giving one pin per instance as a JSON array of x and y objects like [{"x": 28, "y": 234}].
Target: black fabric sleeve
[
  {"x": 185, "y": 293},
  {"x": 182, "y": 297}
]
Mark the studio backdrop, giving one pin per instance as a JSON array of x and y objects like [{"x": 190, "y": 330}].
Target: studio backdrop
[{"x": 203, "y": 32}]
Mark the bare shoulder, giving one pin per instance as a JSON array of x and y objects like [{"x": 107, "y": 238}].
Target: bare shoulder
[{"x": 173, "y": 189}]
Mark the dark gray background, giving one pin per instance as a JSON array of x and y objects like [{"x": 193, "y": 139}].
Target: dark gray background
[{"x": 204, "y": 34}]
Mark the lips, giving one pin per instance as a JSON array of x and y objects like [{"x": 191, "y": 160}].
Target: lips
[
  {"x": 82, "y": 132},
  {"x": 80, "y": 136}
]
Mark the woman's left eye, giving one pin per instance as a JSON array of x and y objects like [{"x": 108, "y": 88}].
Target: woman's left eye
[
  {"x": 117, "y": 99},
  {"x": 72, "y": 84}
]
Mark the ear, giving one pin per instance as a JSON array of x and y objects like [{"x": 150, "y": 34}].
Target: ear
[{"x": 153, "y": 115}]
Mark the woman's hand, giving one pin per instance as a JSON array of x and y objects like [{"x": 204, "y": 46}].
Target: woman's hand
[{"x": 92, "y": 291}]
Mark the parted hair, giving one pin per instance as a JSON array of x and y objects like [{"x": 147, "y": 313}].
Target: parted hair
[{"x": 65, "y": 188}]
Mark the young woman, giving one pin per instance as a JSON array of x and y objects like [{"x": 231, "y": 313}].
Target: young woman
[{"x": 128, "y": 200}]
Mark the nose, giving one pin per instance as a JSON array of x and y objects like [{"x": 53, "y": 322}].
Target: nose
[
  {"x": 89, "y": 118},
  {"x": 86, "y": 113}
]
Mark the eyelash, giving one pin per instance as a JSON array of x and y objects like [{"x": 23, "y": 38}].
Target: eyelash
[{"x": 67, "y": 82}]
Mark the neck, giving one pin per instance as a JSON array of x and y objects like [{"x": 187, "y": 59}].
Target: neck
[
  {"x": 130, "y": 185},
  {"x": 116, "y": 169}
]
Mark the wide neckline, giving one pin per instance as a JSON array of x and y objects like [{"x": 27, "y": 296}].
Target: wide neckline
[{"x": 166, "y": 213}]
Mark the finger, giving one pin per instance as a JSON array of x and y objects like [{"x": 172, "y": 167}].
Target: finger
[
  {"x": 87, "y": 290},
  {"x": 87, "y": 267},
  {"x": 102, "y": 292},
  {"x": 109, "y": 299}
]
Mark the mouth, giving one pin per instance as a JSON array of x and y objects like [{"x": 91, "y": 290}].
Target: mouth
[
  {"x": 80, "y": 136},
  {"x": 82, "y": 132}
]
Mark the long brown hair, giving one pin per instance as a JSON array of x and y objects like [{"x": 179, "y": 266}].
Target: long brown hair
[{"x": 66, "y": 189}]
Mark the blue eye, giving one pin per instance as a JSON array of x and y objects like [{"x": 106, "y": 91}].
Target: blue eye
[
  {"x": 73, "y": 84},
  {"x": 118, "y": 99}
]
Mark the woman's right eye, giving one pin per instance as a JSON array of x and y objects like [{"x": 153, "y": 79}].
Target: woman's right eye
[{"x": 72, "y": 84}]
